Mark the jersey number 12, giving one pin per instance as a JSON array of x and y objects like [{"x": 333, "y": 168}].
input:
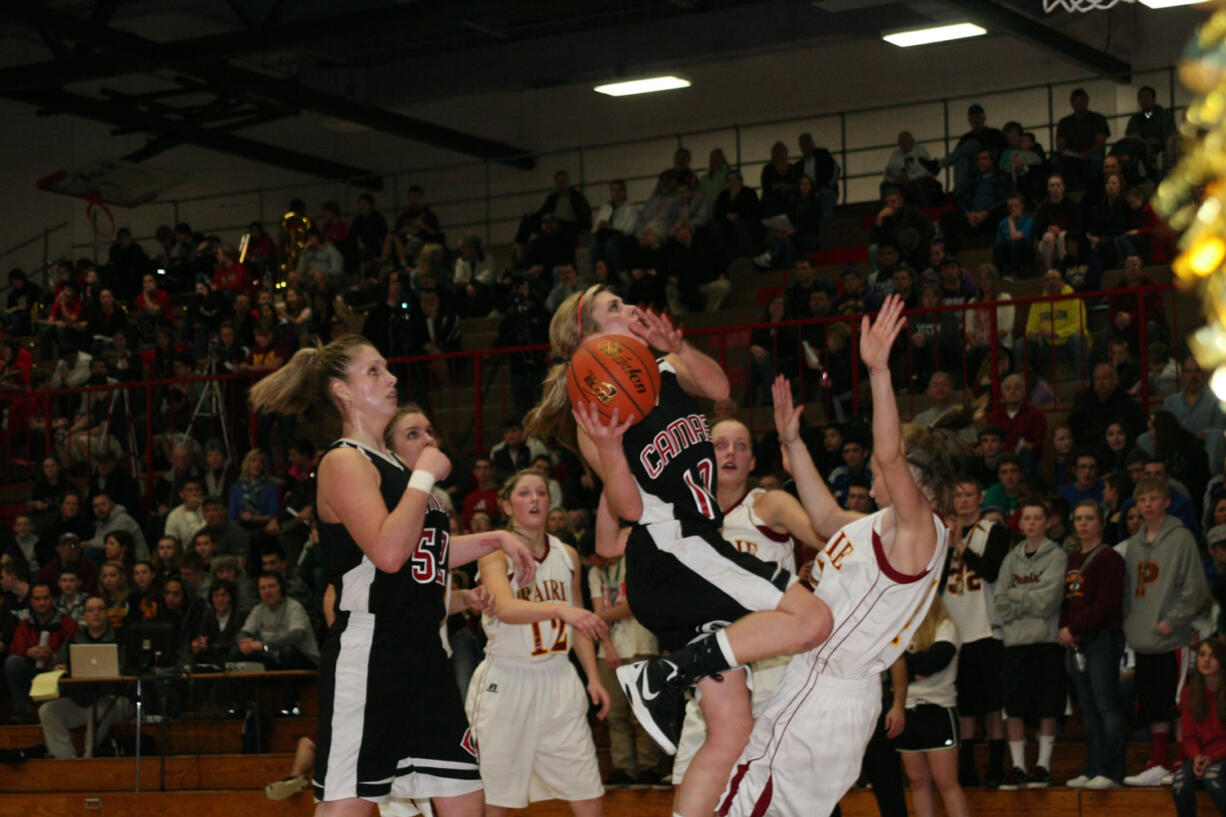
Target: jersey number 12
[{"x": 560, "y": 642}]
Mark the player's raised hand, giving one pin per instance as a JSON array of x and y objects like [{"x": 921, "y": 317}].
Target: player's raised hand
[
  {"x": 657, "y": 331},
  {"x": 877, "y": 337},
  {"x": 434, "y": 461},
  {"x": 787, "y": 416},
  {"x": 602, "y": 434},
  {"x": 599, "y": 696}
]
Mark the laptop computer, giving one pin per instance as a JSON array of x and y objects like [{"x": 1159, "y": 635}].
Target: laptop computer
[{"x": 94, "y": 660}]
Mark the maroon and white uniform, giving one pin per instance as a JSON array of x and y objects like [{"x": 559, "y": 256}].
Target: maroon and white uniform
[{"x": 806, "y": 746}]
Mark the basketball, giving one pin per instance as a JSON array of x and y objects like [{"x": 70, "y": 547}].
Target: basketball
[{"x": 614, "y": 371}]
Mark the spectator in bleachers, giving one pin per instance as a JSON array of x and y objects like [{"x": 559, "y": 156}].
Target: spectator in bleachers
[
  {"x": 697, "y": 272},
  {"x": 614, "y": 228},
  {"x": 1081, "y": 141},
  {"x": 548, "y": 249},
  {"x": 1102, "y": 402},
  {"x": 261, "y": 249},
  {"x": 253, "y": 498},
  {"x": 855, "y": 299},
  {"x": 123, "y": 362},
  {"x": 823, "y": 172},
  {"x": 680, "y": 173},
  {"x": 229, "y": 537},
  {"x": 983, "y": 462},
  {"x": 102, "y": 703},
  {"x": 973, "y": 568},
  {"x": 1144, "y": 227},
  {"x": 1013, "y": 251},
  {"x": 1024, "y": 425},
  {"x": 690, "y": 206},
  {"x": 1165, "y": 589},
  {"x": 320, "y": 266},
  {"x": 1181, "y": 451},
  {"x": 572, "y": 211},
  {"x": 1204, "y": 733},
  {"x": 369, "y": 228},
  {"x": 186, "y": 518},
  {"x": 1116, "y": 445},
  {"x": 1197, "y": 410},
  {"x": 1028, "y": 596},
  {"x": 332, "y": 226},
  {"x": 113, "y": 589},
  {"x": 272, "y": 560},
  {"x": 1125, "y": 365},
  {"x": 215, "y": 639},
  {"x": 738, "y": 216},
  {"x": 715, "y": 180},
  {"x": 225, "y": 568},
  {"x": 218, "y": 473},
  {"x": 979, "y": 138},
  {"x": 1085, "y": 483},
  {"x": 70, "y": 601},
  {"x": 1108, "y": 220},
  {"x": 1125, "y": 303},
  {"x": 980, "y": 204},
  {"x": 167, "y": 552},
  {"x": 231, "y": 276},
  {"x": 855, "y": 464},
  {"x": 23, "y": 543},
  {"x": 180, "y": 608},
  {"x": 108, "y": 518},
  {"x": 278, "y": 633},
  {"x": 896, "y": 216},
  {"x": 568, "y": 283},
  {"x": 152, "y": 308},
  {"x": 169, "y": 485},
  {"x": 484, "y": 494},
  {"x": 1152, "y": 124},
  {"x": 516, "y": 451},
  {"x": 1091, "y": 629},
  {"x": 909, "y": 169},
  {"x": 418, "y": 222},
  {"x": 19, "y": 302},
  {"x": 1022, "y": 161},
  {"x": 773, "y": 350},
  {"x": 65, "y": 322},
  {"x": 49, "y": 488},
  {"x": 1055, "y": 329},
  {"x": 525, "y": 323},
  {"x": 778, "y": 182},
  {"x": 102, "y": 320},
  {"x": 119, "y": 546},
  {"x": 980, "y": 337},
  {"x": 1005, "y": 492},
  {"x": 32, "y": 652},
  {"x": 1056, "y": 218},
  {"x": 65, "y": 536}
]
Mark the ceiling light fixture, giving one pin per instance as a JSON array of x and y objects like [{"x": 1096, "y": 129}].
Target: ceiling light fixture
[
  {"x": 1166, "y": 4},
  {"x": 933, "y": 34},
  {"x": 648, "y": 85}
]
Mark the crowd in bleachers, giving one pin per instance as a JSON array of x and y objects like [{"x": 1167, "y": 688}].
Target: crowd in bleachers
[{"x": 217, "y": 545}]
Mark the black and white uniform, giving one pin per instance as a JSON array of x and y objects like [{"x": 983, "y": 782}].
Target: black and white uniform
[
  {"x": 748, "y": 534},
  {"x": 682, "y": 576},
  {"x": 932, "y": 715},
  {"x": 527, "y": 707},
  {"x": 806, "y": 747},
  {"x": 970, "y": 602},
  {"x": 391, "y": 722}
]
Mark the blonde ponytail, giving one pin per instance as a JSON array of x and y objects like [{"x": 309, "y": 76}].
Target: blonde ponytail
[
  {"x": 300, "y": 386},
  {"x": 550, "y": 419}
]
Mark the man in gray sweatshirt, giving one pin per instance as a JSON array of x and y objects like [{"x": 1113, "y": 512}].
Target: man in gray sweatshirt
[
  {"x": 278, "y": 634},
  {"x": 1164, "y": 589},
  {"x": 1029, "y": 592}
]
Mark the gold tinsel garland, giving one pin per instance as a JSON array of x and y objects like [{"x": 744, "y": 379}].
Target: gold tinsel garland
[{"x": 1193, "y": 197}]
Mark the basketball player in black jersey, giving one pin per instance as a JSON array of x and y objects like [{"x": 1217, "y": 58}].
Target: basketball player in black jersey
[
  {"x": 391, "y": 723},
  {"x": 684, "y": 582}
]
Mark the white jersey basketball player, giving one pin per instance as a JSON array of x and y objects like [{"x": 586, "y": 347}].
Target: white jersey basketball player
[
  {"x": 526, "y": 706},
  {"x": 764, "y": 524},
  {"x": 878, "y": 575}
]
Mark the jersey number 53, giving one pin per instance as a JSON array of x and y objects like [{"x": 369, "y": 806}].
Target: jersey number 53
[{"x": 430, "y": 558}]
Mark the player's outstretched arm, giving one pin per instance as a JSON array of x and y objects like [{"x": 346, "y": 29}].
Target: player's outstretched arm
[
  {"x": 825, "y": 515},
  {"x": 912, "y": 512},
  {"x": 697, "y": 373},
  {"x": 473, "y": 546},
  {"x": 601, "y": 447},
  {"x": 512, "y": 610},
  {"x": 610, "y": 543}
]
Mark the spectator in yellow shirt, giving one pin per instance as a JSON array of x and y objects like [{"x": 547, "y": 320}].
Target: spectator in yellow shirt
[{"x": 1055, "y": 329}]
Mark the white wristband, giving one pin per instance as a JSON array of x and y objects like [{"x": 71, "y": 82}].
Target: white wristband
[{"x": 422, "y": 481}]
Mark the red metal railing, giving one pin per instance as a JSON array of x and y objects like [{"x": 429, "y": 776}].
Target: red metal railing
[{"x": 463, "y": 388}]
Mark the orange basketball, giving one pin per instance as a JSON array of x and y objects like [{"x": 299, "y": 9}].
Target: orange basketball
[{"x": 614, "y": 371}]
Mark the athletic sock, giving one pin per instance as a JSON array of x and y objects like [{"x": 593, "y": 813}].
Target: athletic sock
[
  {"x": 703, "y": 657},
  {"x": 1017, "y": 751},
  {"x": 966, "y": 757},
  {"x": 996, "y": 756},
  {"x": 1046, "y": 744},
  {"x": 1161, "y": 743}
]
